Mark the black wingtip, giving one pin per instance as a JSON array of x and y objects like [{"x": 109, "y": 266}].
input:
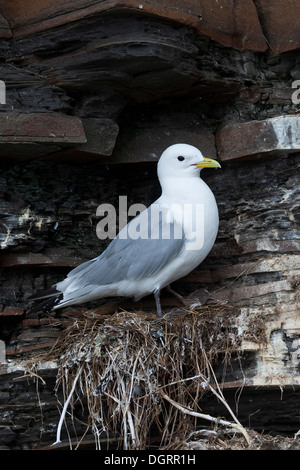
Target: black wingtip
[
  {"x": 44, "y": 294},
  {"x": 51, "y": 298},
  {"x": 46, "y": 306}
]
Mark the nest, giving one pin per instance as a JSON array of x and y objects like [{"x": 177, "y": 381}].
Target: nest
[{"x": 141, "y": 377}]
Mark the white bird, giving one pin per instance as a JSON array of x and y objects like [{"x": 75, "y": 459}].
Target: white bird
[{"x": 175, "y": 234}]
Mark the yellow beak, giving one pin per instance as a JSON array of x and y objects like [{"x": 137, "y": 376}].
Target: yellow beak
[{"x": 208, "y": 163}]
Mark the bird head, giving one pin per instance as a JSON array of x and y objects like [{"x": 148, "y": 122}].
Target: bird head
[{"x": 183, "y": 160}]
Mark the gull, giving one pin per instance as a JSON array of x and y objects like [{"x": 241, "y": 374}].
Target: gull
[{"x": 159, "y": 246}]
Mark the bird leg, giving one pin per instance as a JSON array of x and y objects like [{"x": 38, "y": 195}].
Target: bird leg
[
  {"x": 178, "y": 296},
  {"x": 156, "y": 294}
]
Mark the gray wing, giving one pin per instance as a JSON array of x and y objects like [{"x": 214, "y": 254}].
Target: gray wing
[{"x": 133, "y": 259}]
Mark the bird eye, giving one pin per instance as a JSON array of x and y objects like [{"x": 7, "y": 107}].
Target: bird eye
[{"x": 180, "y": 158}]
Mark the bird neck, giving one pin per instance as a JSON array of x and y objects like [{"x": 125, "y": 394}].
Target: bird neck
[{"x": 181, "y": 189}]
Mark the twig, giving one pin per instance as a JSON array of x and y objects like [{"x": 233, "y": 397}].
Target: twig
[
  {"x": 31, "y": 374},
  {"x": 219, "y": 393},
  {"x": 185, "y": 410},
  {"x": 63, "y": 413}
]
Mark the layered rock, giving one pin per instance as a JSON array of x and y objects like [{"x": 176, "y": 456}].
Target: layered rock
[
  {"x": 267, "y": 137},
  {"x": 95, "y": 91}
]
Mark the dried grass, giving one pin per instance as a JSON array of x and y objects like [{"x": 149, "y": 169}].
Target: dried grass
[{"x": 141, "y": 377}]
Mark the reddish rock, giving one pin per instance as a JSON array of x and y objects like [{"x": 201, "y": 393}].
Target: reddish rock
[
  {"x": 32, "y": 335},
  {"x": 30, "y": 322},
  {"x": 45, "y": 14},
  {"x": 281, "y": 22},
  {"x": 233, "y": 24},
  {"x": 49, "y": 258},
  {"x": 276, "y": 135},
  {"x": 11, "y": 312},
  {"x": 41, "y": 127},
  {"x": 250, "y": 94},
  {"x": 32, "y": 135}
]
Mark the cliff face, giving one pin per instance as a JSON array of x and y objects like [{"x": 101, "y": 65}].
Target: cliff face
[{"x": 94, "y": 92}]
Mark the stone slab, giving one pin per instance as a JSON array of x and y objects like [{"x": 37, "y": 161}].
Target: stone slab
[
  {"x": 234, "y": 24},
  {"x": 41, "y": 127},
  {"x": 281, "y": 21},
  {"x": 271, "y": 136}
]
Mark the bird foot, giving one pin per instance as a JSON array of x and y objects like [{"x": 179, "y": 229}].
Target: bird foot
[
  {"x": 178, "y": 296},
  {"x": 176, "y": 312}
]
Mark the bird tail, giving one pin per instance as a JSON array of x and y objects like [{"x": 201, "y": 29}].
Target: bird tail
[{"x": 50, "y": 297}]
